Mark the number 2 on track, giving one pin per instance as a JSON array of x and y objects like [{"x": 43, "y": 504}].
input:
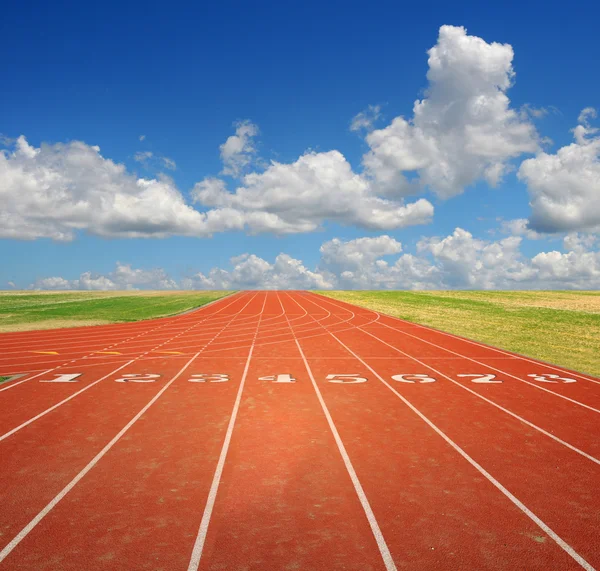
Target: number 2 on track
[{"x": 483, "y": 379}]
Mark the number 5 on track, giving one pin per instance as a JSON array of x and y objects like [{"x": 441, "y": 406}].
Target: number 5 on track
[{"x": 346, "y": 379}]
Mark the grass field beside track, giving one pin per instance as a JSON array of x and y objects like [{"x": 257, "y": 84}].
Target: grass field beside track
[
  {"x": 556, "y": 326},
  {"x": 22, "y": 311}
]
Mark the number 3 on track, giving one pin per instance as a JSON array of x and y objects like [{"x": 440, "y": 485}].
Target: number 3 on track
[
  {"x": 213, "y": 378},
  {"x": 546, "y": 378}
]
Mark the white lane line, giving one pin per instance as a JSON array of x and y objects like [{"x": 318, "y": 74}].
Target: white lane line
[
  {"x": 521, "y": 419},
  {"x": 106, "y": 348},
  {"x": 558, "y": 540},
  {"x": 50, "y": 409},
  {"x": 214, "y": 487},
  {"x": 31, "y": 525},
  {"x": 578, "y": 403},
  {"x": 362, "y": 497},
  {"x": 478, "y": 343}
]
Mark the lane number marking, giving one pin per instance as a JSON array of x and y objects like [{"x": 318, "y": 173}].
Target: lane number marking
[
  {"x": 547, "y": 378},
  {"x": 285, "y": 378},
  {"x": 138, "y": 378},
  {"x": 65, "y": 378},
  {"x": 209, "y": 378},
  {"x": 409, "y": 378},
  {"x": 346, "y": 379},
  {"x": 483, "y": 379}
]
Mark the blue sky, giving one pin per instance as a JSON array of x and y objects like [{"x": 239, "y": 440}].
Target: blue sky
[{"x": 184, "y": 76}]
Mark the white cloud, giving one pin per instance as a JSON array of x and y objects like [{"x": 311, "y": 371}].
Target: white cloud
[
  {"x": 124, "y": 277},
  {"x": 520, "y": 227},
  {"x": 300, "y": 196},
  {"x": 143, "y": 156},
  {"x": 53, "y": 283},
  {"x": 587, "y": 114},
  {"x": 251, "y": 272},
  {"x": 366, "y": 119},
  {"x": 463, "y": 131},
  {"x": 12, "y": 285},
  {"x": 169, "y": 163},
  {"x": 565, "y": 187},
  {"x": 459, "y": 260},
  {"x": 467, "y": 262},
  {"x": 238, "y": 150},
  {"x": 55, "y": 190},
  {"x": 142, "y": 137},
  {"x": 152, "y": 162}
]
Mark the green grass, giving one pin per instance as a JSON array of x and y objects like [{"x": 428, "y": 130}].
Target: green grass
[
  {"x": 559, "y": 327},
  {"x": 2, "y": 379},
  {"x": 21, "y": 311}
]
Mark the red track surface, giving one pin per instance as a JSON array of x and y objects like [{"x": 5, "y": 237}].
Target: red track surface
[{"x": 222, "y": 461}]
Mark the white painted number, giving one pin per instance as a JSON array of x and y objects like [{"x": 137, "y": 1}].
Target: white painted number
[
  {"x": 205, "y": 378},
  {"x": 546, "y": 378},
  {"x": 408, "y": 378},
  {"x": 278, "y": 378},
  {"x": 64, "y": 378},
  {"x": 137, "y": 378},
  {"x": 483, "y": 379},
  {"x": 346, "y": 379}
]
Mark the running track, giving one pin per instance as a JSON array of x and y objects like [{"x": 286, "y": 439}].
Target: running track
[{"x": 285, "y": 430}]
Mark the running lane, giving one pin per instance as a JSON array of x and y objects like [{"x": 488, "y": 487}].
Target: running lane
[
  {"x": 552, "y": 481},
  {"x": 284, "y": 500}
]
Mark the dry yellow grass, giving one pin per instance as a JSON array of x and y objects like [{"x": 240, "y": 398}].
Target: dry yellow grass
[{"x": 558, "y": 327}]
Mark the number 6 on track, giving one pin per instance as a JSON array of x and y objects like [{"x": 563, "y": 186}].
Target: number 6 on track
[{"x": 346, "y": 379}]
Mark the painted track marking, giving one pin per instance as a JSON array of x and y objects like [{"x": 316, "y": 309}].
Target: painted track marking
[
  {"x": 471, "y": 341},
  {"x": 90, "y": 354},
  {"x": 578, "y": 403},
  {"x": 50, "y": 409},
  {"x": 364, "y": 502},
  {"x": 46, "y": 510},
  {"x": 214, "y": 487},
  {"x": 558, "y": 540}
]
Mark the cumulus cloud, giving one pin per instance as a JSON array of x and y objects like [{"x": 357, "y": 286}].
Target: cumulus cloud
[
  {"x": 238, "y": 150},
  {"x": 300, "y": 196},
  {"x": 124, "y": 277},
  {"x": 564, "y": 187},
  {"x": 251, "y": 272},
  {"x": 520, "y": 227},
  {"x": 366, "y": 119},
  {"x": 459, "y": 260},
  {"x": 56, "y": 190},
  {"x": 463, "y": 131}
]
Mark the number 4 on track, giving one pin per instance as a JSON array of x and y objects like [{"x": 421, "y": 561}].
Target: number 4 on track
[{"x": 286, "y": 378}]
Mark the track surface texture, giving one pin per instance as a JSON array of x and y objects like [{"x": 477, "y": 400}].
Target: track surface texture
[{"x": 285, "y": 430}]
